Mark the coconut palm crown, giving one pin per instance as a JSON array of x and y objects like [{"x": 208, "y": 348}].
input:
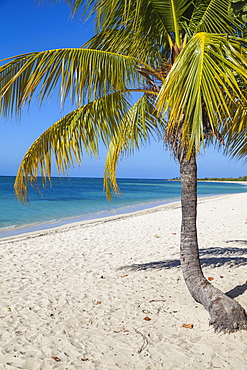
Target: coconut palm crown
[{"x": 187, "y": 60}]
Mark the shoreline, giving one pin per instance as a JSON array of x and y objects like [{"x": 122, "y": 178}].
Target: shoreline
[
  {"x": 102, "y": 217},
  {"x": 109, "y": 294},
  {"x": 15, "y": 230},
  {"x": 67, "y": 222}
]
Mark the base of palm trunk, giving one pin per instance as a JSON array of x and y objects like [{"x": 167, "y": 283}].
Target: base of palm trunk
[{"x": 227, "y": 315}]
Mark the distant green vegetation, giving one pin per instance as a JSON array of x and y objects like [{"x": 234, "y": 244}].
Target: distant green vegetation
[{"x": 243, "y": 178}]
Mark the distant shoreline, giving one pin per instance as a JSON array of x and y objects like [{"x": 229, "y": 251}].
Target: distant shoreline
[
  {"x": 226, "y": 181},
  {"x": 243, "y": 182}
]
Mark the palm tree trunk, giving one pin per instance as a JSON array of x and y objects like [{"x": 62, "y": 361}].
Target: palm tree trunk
[{"x": 225, "y": 314}]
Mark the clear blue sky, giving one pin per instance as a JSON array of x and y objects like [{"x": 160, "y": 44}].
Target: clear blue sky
[{"x": 26, "y": 27}]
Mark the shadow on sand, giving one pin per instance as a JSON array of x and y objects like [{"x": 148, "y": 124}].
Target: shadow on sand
[
  {"x": 243, "y": 242},
  {"x": 209, "y": 257},
  {"x": 237, "y": 291}
]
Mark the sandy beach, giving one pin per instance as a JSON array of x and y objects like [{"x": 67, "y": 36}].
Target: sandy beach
[{"x": 109, "y": 294}]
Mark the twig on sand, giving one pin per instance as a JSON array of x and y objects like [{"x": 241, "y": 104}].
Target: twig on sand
[{"x": 145, "y": 341}]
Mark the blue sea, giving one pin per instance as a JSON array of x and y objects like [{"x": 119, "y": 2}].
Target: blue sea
[{"x": 76, "y": 199}]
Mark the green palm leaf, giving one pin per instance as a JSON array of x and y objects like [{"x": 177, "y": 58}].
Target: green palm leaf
[
  {"x": 142, "y": 17},
  {"x": 82, "y": 74},
  {"x": 82, "y": 128},
  {"x": 209, "y": 81},
  {"x": 146, "y": 49},
  {"x": 234, "y": 132},
  {"x": 171, "y": 13},
  {"x": 134, "y": 131},
  {"x": 236, "y": 144},
  {"x": 212, "y": 16}
]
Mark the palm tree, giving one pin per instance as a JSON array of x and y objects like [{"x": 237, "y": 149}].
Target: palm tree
[{"x": 187, "y": 60}]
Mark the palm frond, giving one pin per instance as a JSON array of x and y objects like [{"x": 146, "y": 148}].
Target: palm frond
[
  {"x": 171, "y": 14},
  {"x": 204, "y": 77},
  {"x": 83, "y": 75},
  {"x": 65, "y": 139},
  {"x": 156, "y": 20},
  {"x": 148, "y": 49},
  {"x": 234, "y": 133},
  {"x": 134, "y": 131},
  {"x": 213, "y": 16},
  {"x": 236, "y": 144}
]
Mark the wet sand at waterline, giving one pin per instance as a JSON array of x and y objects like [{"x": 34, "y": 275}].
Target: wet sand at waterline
[{"x": 109, "y": 293}]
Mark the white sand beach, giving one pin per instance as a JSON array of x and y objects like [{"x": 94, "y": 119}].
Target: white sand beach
[{"x": 109, "y": 294}]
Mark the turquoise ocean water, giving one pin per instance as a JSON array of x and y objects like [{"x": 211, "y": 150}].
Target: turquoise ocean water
[{"x": 76, "y": 199}]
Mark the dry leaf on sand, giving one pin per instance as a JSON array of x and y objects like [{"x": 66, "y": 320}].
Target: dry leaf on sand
[
  {"x": 57, "y": 359},
  {"x": 188, "y": 326}
]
